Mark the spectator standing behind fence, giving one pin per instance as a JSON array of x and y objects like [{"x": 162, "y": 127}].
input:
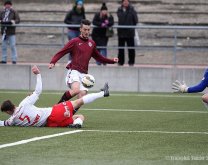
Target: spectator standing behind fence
[
  {"x": 127, "y": 16},
  {"x": 103, "y": 20},
  {"x": 74, "y": 17},
  {"x": 9, "y": 17}
]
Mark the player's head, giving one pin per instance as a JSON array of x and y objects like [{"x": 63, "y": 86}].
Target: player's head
[
  {"x": 8, "y": 107},
  {"x": 85, "y": 28}
]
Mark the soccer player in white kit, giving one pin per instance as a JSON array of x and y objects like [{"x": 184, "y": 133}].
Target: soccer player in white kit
[{"x": 60, "y": 115}]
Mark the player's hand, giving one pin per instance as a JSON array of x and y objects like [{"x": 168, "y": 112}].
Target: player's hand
[
  {"x": 177, "y": 86},
  {"x": 35, "y": 70},
  {"x": 50, "y": 66},
  {"x": 115, "y": 60}
]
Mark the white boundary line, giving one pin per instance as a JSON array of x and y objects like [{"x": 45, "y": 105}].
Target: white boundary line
[
  {"x": 104, "y": 131},
  {"x": 160, "y": 132},
  {"x": 120, "y": 94},
  {"x": 143, "y": 110},
  {"x": 38, "y": 138}
]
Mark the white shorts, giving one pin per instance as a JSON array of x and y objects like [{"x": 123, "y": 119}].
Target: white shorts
[{"x": 74, "y": 75}]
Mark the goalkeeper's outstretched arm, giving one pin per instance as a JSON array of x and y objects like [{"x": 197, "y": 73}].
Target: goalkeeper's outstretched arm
[
  {"x": 177, "y": 86},
  {"x": 198, "y": 88}
]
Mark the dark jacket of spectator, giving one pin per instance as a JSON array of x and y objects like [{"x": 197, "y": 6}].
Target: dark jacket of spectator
[
  {"x": 99, "y": 32},
  {"x": 128, "y": 17},
  {"x": 74, "y": 17},
  {"x": 13, "y": 15}
]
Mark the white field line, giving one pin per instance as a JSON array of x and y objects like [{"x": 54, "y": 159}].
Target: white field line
[
  {"x": 120, "y": 94},
  {"x": 143, "y": 110},
  {"x": 104, "y": 131},
  {"x": 38, "y": 138},
  {"x": 159, "y": 132}
]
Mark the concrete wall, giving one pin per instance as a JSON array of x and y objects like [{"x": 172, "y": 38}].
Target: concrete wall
[{"x": 132, "y": 79}]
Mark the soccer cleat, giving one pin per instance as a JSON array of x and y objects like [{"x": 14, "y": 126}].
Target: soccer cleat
[
  {"x": 74, "y": 126},
  {"x": 105, "y": 90}
]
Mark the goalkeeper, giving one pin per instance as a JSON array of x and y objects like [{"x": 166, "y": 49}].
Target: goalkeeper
[{"x": 183, "y": 88}]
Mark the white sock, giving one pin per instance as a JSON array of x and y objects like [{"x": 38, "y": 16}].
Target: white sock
[
  {"x": 92, "y": 97},
  {"x": 78, "y": 121}
]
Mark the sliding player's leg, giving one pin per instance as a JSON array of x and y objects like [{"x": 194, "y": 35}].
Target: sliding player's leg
[
  {"x": 91, "y": 97},
  {"x": 81, "y": 94},
  {"x": 78, "y": 121}
]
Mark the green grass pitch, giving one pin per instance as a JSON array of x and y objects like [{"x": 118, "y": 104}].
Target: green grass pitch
[{"x": 124, "y": 129}]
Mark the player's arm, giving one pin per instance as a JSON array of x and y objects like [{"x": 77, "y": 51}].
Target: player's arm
[
  {"x": 201, "y": 86},
  {"x": 182, "y": 87},
  {"x": 38, "y": 88},
  {"x": 98, "y": 57},
  {"x": 66, "y": 49},
  {"x": 8, "y": 122}
]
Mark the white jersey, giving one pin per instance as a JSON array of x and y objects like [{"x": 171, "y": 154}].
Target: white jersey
[{"x": 26, "y": 114}]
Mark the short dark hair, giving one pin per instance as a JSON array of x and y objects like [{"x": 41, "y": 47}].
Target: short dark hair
[
  {"x": 7, "y": 106},
  {"x": 85, "y": 22}
]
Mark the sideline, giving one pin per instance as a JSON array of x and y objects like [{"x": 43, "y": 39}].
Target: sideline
[
  {"x": 102, "y": 131},
  {"x": 143, "y": 110},
  {"x": 170, "y": 95},
  {"x": 160, "y": 132}
]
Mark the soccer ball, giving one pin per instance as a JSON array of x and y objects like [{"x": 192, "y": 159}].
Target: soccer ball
[{"x": 88, "y": 81}]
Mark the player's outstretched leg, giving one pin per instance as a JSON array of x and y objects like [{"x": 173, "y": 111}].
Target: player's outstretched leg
[
  {"x": 91, "y": 97},
  {"x": 105, "y": 89}
]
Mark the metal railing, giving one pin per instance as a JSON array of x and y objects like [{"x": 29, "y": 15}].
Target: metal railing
[{"x": 174, "y": 47}]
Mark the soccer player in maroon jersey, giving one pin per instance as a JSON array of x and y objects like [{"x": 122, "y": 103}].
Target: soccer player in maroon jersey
[{"x": 81, "y": 49}]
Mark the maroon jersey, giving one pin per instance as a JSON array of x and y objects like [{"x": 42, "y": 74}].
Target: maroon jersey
[{"x": 81, "y": 51}]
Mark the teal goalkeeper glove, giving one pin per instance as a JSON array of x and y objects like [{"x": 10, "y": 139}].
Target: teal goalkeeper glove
[{"x": 177, "y": 86}]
